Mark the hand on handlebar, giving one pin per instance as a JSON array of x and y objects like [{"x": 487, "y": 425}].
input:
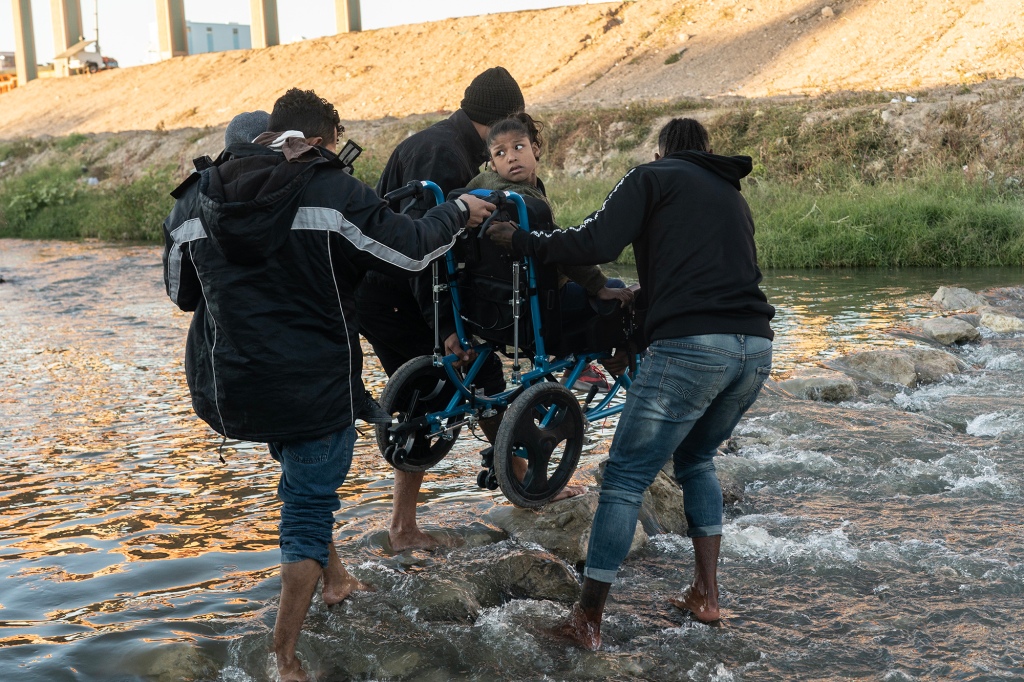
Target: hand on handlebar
[
  {"x": 623, "y": 296},
  {"x": 501, "y": 234},
  {"x": 479, "y": 210}
]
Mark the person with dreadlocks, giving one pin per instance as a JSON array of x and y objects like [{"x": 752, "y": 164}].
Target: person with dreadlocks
[{"x": 710, "y": 349}]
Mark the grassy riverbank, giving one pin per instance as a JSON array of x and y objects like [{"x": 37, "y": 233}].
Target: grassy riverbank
[{"x": 845, "y": 180}]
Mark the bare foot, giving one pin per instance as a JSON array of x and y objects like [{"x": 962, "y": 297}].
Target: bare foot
[
  {"x": 579, "y": 630},
  {"x": 338, "y": 582},
  {"x": 337, "y": 591},
  {"x": 291, "y": 670},
  {"x": 699, "y": 605},
  {"x": 569, "y": 491},
  {"x": 414, "y": 539}
]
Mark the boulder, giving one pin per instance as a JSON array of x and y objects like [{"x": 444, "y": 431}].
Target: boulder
[
  {"x": 532, "y": 574},
  {"x": 824, "y": 385},
  {"x": 1002, "y": 324},
  {"x": 663, "y": 505},
  {"x": 947, "y": 330},
  {"x": 957, "y": 298},
  {"x": 437, "y": 598},
  {"x": 932, "y": 364},
  {"x": 881, "y": 366},
  {"x": 562, "y": 527}
]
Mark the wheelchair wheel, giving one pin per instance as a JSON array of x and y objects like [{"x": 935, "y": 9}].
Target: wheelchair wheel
[
  {"x": 543, "y": 427},
  {"x": 417, "y": 388}
]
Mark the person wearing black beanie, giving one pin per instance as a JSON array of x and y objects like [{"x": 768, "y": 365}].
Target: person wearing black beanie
[
  {"x": 397, "y": 317},
  {"x": 492, "y": 96}
]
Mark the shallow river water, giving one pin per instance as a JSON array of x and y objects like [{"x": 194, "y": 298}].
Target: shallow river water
[{"x": 877, "y": 539}]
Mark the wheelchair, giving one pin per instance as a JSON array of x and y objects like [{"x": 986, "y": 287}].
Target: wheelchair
[{"x": 507, "y": 306}]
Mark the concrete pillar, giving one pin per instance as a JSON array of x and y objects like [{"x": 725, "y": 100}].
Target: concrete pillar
[
  {"x": 347, "y": 14},
  {"x": 67, "y": 23},
  {"x": 24, "y": 41},
  {"x": 264, "y": 23},
  {"x": 170, "y": 28}
]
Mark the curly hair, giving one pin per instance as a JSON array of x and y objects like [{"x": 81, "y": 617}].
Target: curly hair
[
  {"x": 682, "y": 134},
  {"x": 522, "y": 124},
  {"x": 307, "y": 112}
]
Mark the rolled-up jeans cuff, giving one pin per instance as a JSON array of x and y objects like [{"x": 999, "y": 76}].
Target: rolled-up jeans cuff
[
  {"x": 703, "y": 531},
  {"x": 289, "y": 558},
  {"x": 602, "y": 575}
]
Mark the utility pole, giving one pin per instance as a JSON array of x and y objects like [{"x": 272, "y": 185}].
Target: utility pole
[{"x": 97, "y": 6}]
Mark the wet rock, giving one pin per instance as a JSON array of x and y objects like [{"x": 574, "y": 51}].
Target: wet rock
[
  {"x": 561, "y": 527},
  {"x": 663, "y": 502},
  {"x": 909, "y": 367},
  {"x": 524, "y": 574},
  {"x": 1002, "y": 324},
  {"x": 827, "y": 386},
  {"x": 182, "y": 662},
  {"x": 435, "y": 598},
  {"x": 932, "y": 364},
  {"x": 957, "y": 298},
  {"x": 880, "y": 366},
  {"x": 947, "y": 330}
]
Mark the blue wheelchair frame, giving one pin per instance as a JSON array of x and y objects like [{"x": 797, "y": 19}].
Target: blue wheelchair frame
[
  {"x": 463, "y": 402},
  {"x": 466, "y": 405}
]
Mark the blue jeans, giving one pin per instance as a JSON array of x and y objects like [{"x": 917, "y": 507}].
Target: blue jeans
[
  {"x": 688, "y": 397},
  {"x": 311, "y": 473}
]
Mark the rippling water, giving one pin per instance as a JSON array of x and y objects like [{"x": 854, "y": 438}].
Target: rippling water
[{"x": 878, "y": 539}]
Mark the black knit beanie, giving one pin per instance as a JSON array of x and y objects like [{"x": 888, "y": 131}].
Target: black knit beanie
[{"x": 493, "y": 95}]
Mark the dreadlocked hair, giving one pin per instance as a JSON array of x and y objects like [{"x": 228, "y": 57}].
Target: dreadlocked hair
[
  {"x": 521, "y": 124},
  {"x": 683, "y": 134}
]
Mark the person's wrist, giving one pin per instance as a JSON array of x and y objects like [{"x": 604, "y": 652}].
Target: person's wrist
[{"x": 463, "y": 208}]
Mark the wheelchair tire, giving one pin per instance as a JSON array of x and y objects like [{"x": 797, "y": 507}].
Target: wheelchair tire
[
  {"x": 551, "y": 444},
  {"x": 417, "y": 453}
]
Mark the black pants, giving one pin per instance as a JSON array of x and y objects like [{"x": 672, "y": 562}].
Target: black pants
[{"x": 391, "y": 320}]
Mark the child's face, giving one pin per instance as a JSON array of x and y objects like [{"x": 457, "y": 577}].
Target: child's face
[{"x": 514, "y": 157}]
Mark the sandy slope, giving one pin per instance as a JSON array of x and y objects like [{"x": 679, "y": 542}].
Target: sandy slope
[{"x": 594, "y": 54}]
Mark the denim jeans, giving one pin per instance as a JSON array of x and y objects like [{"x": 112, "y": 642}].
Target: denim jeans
[
  {"x": 311, "y": 473},
  {"x": 688, "y": 397}
]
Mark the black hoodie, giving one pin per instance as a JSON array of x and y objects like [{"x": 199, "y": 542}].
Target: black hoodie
[
  {"x": 267, "y": 253},
  {"x": 693, "y": 237}
]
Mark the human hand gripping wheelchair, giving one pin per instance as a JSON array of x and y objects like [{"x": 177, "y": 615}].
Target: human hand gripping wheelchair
[{"x": 509, "y": 306}]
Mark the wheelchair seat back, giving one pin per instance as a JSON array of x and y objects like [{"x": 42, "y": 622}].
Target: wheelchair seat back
[{"x": 485, "y": 284}]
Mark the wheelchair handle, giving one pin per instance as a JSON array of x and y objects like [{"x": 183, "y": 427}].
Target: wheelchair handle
[{"x": 411, "y": 189}]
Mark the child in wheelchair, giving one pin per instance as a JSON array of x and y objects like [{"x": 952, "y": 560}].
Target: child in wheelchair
[{"x": 515, "y": 146}]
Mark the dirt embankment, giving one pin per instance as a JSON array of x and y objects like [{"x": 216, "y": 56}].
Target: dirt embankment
[{"x": 605, "y": 54}]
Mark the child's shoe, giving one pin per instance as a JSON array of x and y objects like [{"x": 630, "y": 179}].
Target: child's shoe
[{"x": 590, "y": 377}]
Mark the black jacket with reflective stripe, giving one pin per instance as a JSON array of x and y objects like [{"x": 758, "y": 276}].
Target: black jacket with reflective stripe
[{"x": 268, "y": 253}]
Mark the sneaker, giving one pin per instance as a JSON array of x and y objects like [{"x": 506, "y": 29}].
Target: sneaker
[
  {"x": 371, "y": 412},
  {"x": 590, "y": 377}
]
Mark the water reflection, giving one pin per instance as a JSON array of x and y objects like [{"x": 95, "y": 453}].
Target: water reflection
[{"x": 121, "y": 532}]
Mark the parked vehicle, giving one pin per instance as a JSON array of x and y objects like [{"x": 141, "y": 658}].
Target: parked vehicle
[{"x": 78, "y": 57}]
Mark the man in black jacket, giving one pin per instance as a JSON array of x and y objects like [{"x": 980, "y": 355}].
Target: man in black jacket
[
  {"x": 267, "y": 247},
  {"x": 396, "y": 318},
  {"x": 710, "y": 350}
]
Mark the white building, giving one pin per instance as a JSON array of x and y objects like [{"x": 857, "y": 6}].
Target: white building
[{"x": 217, "y": 37}]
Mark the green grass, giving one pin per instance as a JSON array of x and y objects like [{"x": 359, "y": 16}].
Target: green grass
[
  {"x": 832, "y": 185},
  {"x": 53, "y": 203}
]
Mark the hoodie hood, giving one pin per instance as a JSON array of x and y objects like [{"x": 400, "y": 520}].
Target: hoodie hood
[
  {"x": 248, "y": 203},
  {"x": 731, "y": 168}
]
